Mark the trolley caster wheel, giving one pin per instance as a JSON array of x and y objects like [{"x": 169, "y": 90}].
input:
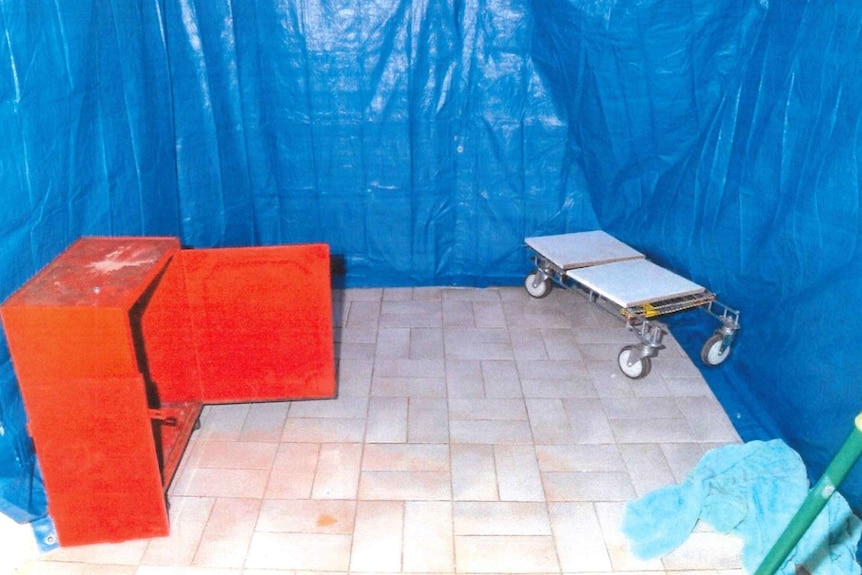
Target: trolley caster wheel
[
  {"x": 711, "y": 353},
  {"x": 537, "y": 291},
  {"x": 638, "y": 369}
]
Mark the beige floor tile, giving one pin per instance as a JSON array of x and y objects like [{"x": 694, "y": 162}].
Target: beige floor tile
[
  {"x": 557, "y": 370},
  {"x": 425, "y": 293},
  {"x": 641, "y": 407},
  {"x": 588, "y": 486},
  {"x": 518, "y": 477},
  {"x": 593, "y": 334},
  {"x": 188, "y": 516},
  {"x": 227, "y": 533},
  {"x": 479, "y": 409},
  {"x": 165, "y": 570},
  {"x": 478, "y": 343},
  {"x": 687, "y": 387},
  {"x": 363, "y": 294},
  {"x": 607, "y": 352},
  {"x": 214, "y": 482},
  {"x": 426, "y": 343},
  {"x": 474, "y": 474},
  {"x": 126, "y": 553},
  {"x": 354, "y": 377},
  {"x": 609, "y": 381},
  {"x": 489, "y": 314},
  {"x": 341, "y": 408},
  {"x": 610, "y": 516},
  {"x": 410, "y": 307},
  {"x": 549, "y": 421},
  {"x": 387, "y": 420},
  {"x": 529, "y": 346},
  {"x": 222, "y": 422},
  {"x": 490, "y": 432},
  {"x": 264, "y": 421},
  {"x": 363, "y": 334},
  {"x": 707, "y": 420},
  {"x": 682, "y": 458},
  {"x": 428, "y": 544},
  {"x": 406, "y": 457},
  {"x": 405, "y": 485},
  {"x": 385, "y": 367},
  {"x": 316, "y": 516},
  {"x": 428, "y": 420},
  {"x": 293, "y": 471},
  {"x": 578, "y": 387},
  {"x": 501, "y": 379},
  {"x": 505, "y": 554},
  {"x": 580, "y": 458},
  {"x": 578, "y": 537},
  {"x": 677, "y": 366},
  {"x": 515, "y": 452},
  {"x": 393, "y": 342},
  {"x": 299, "y": 551},
  {"x": 419, "y": 319},
  {"x": 649, "y": 430},
  {"x": 236, "y": 454},
  {"x": 324, "y": 430},
  {"x": 363, "y": 314},
  {"x": 647, "y": 467},
  {"x": 355, "y": 351},
  {"x": 561, "y": 343},
  {"x": 706, "y": 550},
  {"x": 464, "y": 379},
  {"x": 458, "y": 313},
  {"x": 650, "y": 387},
  {"x": 37, "y": 567},
  {"x": 377, "y": 542},
  {"x": 408, "y": 387},
  {"x": 91, "y": 569},
  {"x": 588, "y": 421},
  {"x": 501, "y": 518},
  {"x": 337, "y": 474}
]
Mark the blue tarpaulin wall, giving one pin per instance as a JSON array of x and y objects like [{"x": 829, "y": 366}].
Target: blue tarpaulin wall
[{"x": 424, "y": 139}]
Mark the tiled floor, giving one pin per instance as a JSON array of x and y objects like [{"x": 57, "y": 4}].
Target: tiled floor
[{"x": 476, "y": 431}]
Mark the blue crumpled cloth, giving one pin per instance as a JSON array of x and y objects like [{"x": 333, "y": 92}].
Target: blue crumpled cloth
[{"x": 751, "y": 490}]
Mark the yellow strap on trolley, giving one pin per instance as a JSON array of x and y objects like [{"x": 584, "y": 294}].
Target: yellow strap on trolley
[{"x": 649, "y": 310}]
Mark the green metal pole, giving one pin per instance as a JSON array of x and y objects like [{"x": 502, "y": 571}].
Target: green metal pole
[{"x": 816, "y": 500}]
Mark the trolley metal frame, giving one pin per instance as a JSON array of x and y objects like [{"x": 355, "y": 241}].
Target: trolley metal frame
[{"x": 635, "y": 360}]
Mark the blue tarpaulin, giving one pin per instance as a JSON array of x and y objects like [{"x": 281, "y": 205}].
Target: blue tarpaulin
[{"x": 424, "y": 139}]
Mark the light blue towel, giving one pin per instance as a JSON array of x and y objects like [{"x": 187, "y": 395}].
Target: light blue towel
[{"x": 751, "y": 490}]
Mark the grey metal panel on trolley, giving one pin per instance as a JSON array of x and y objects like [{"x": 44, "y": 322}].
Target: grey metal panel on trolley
[
  {"x": 623, "y": 281},
  {"x": 582, "y": 249},
  {"x": 632, "y": 283}
]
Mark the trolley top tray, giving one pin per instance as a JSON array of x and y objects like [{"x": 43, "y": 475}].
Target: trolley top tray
[
  {"x": 634, "y": 282},
  {"x": 582, "y": 249}
]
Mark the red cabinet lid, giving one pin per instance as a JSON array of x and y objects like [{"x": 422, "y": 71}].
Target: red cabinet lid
[{"x": 98, "y": 272}]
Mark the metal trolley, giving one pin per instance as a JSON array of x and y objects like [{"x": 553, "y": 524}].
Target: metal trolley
[{"x": 620, "y": 280}]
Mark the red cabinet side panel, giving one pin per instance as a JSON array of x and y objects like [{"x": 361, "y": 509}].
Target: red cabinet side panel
[
  {"x": 262, "y": 322},
  {"x": 96, "y": 453},
  {"x": 53, "y": 344}
]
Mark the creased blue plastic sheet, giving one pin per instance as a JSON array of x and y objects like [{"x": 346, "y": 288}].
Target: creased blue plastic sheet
[
  {"x": 752, "y": 491},
  {"x": 424, "y": 139},
  {"x": 722, "y": 139},
  {"x": 415, "y": 137}
]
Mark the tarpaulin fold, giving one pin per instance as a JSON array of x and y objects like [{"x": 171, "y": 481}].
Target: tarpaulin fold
[{"x": 424, "y": 139}]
